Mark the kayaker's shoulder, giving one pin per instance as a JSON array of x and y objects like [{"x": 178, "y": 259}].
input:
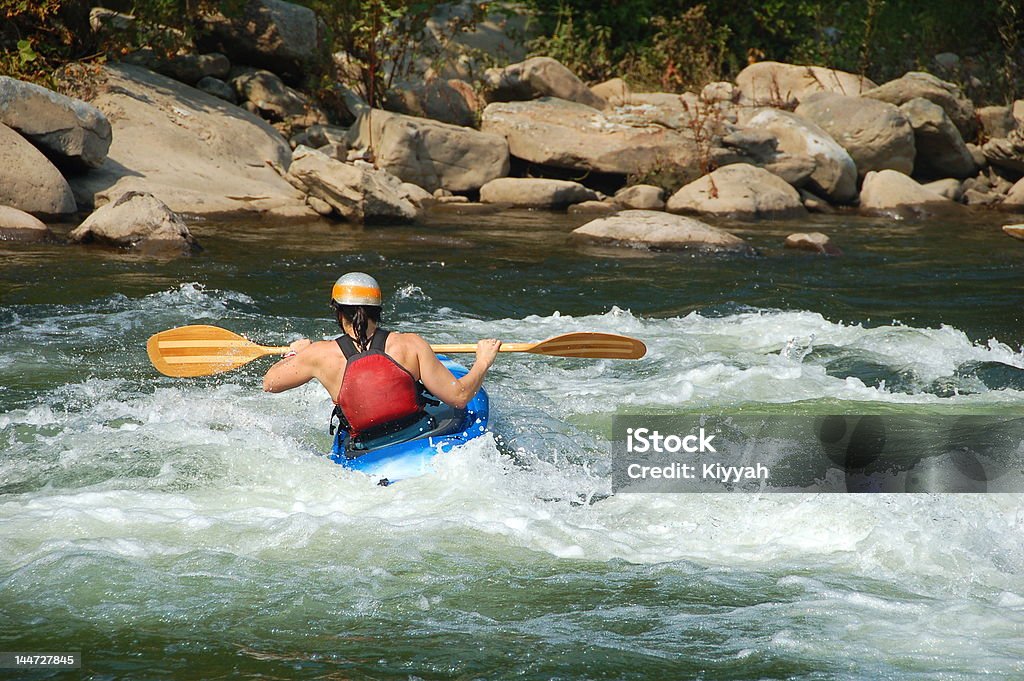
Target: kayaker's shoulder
[{"x": 407, "y": 339}]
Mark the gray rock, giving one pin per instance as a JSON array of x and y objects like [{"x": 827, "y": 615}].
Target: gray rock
[
  {"x": 940, "y": 150},
  {"x": 17, "y": 225},
  {"x": 739, "y": 191},
  {"x": 274, "y": 100},
  {"x": 833, "y": 173},
  {"x": 218, "y": 88},
  {"x": 357, "y": 191},
  {"x": 138, "y": 221},
  {"x": 977, "y": 155},
  {"x": 658, "y": 230},
  {"x": 322, "y": 135},
  {"x": 529, "y": 192},
  {"x": 431, "y": 154},
  {"x": 28, "y": 181},
  {"x": 564, "y": 134},
  {"x": 949, "y": 187},
  {"x": 947, "y": 95},
  {"x": 68, "y": 131},
  {"x": 816, "y": 242},
  {"x": 188, "y": 68},
  {"x": 875, "y": 134},
  {"x": 893, "y": 194},
  {"x": 538, "y": 77},
  {"x": 449, "y": 101},
  {"x": 769, "y": 83},
  {"x": 996, "y": 121},
  {"x": 196, "y": 153},
  {"x": 271, "y": 34},
  {"x": 641, "y": 197}
]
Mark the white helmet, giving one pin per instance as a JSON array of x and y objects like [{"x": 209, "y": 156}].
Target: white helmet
[{"x": 356, "y": 288}]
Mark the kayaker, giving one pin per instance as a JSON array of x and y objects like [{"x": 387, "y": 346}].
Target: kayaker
[{"x": 372, "y": 374}]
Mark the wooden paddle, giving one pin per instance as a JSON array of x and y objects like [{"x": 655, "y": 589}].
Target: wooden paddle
[{"x": 206, "y": 350}]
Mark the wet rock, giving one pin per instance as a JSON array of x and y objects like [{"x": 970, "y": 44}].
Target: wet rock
[
  {"x": 138, "y": 221},
  {"x": 538, "y": 77},
  {"x": 431, "y": 154},
  {"x": 740, "y": 191},
  {"x": 816, "y": 242},
  {"x": 641, "y": 197},
  {"x": 893, "y": 194},
  {"x": 947, "y": 95},
  {"x": 357, "y": 191},
  {"x": 833, "y": 173},
  {"x": 195, "y": 152},
  {"x": 28, "y": 181},
  {"x": 69, "y": 131},
  {"x": 564, "y": 134},
  {"x": 770, "y": 83},
  {"x": 940, "y": 150},
  {"x": 815, "y": 204},
  {"x": 449, "y": 101},
  {"x": 658, "y": 230},
  {"x": 529, "y": 192},
  {"x": 875, "y": 134},
  {"x": 17, "y": 225},
  {"x": 593, "y": 208},
  {"x": 218, "y": 88}
]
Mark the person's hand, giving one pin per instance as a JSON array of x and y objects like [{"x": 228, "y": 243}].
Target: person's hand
[
  {"x": 299, "y": 345},
  {"x": 487, "y": 350}
]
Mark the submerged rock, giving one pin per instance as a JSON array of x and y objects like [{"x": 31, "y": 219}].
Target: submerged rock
[
  {"x": 529, "y": 192},
  {"x": 138, "y": 221},
  {"x": 17, "y": 225},
  {"x": 28, "y": 181},
  {"x": 740, "y": 191},
  {"x": 815, "y": 242},
  {"x": 658, "y": 230}
]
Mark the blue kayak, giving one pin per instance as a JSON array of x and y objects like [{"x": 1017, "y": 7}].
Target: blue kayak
[{"x": 408, "y": 451}]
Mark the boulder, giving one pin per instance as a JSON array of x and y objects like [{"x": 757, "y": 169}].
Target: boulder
[
  {"x": 815, "y": 242},
  {"x": 530, "y": 192},
  {"x": 136, "y": 220},
  {"x": 195, "y": 152},
  {"x": 1016, "y": 231},
  {"x": 28, "y": 181},
  {"x": 940, "y": 150},
  {"x": 449, "y": 101},
  {"x": 833, "y": 172},
  {"x": 996, "y": 121},
  {"x": 893, "y": 194},
  {"x": 69, "y": 131},
  {"x": 641, "y": 197},
  {"x": 218, "y": 88},
  {"x": 1006, "y": 152},
  {"x": 770, "y": 83},
  {"x": 460, "y": 43},
  {"x": 615, "y": 92},
  {"x": 739, "y": 191},
  {"x": 17, "y": 225},
  {"x": 875, "y": 134},
  {"x": 431, "y": 154},
  {"x": 357, "y": 191},
  {"x": 275, "y": 101},
  {"x": 272, "y": 34},
  {"x": 538, "y": 77},
  {"x": 947, "y": 95},
  {"x": 563, "y": 134},
  {"x": 658, "y": 230},
  {"x": 949, "y": 187}
]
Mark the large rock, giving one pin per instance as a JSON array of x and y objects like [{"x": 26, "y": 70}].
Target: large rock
[
  {"x": 770, "y": 83},
  {"x": 449, "y": 101},
  {"x": 430, "y": 154},
  {"x": 947, "y": 95},
  {"x": 739, "y": 191},
  {"x": 538, "y": 77},
  {"x": 876, "y": 134},
  {"x": 358, "y": 192},
  {"x": 17, "y": 225},
  {"x": 188, "y": 68},
  {"x": 195, "y": 152},
  {"x": 893, "y": 194},
  {"x": 833, "y": 174},
  {"x": 563, "y": 134},
  {"x": 272, "y": 34},
  {"x": 136, "y": 220},
  {"x": 940, "y": 150},
  {"x": 28, "y": 181},
  {"x": 654, "y": 229},
  {"x": 71, "y": 132},
  {"x": 530, "y": 192}
]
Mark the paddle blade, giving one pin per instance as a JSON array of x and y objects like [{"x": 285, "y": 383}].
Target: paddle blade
[
  {"x": 201, "y": 351},
  {"x": 591, "y": 345}
]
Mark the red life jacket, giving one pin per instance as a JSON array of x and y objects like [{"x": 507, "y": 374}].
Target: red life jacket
[{"x": 375, "y": 389}]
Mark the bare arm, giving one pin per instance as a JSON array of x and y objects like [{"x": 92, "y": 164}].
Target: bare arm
[
  {"x": 294, "y": 371},
  {"x": 456, "y": 392}
]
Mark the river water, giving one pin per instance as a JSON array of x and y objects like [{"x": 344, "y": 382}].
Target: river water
[{"x": 171, "y": 528}]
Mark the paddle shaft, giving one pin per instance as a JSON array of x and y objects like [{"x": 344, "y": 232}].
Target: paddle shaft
[{"x": 451, "y": 347}]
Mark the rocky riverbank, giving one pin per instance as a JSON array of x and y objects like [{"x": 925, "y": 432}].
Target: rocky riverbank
[{"x": 222, "y": 130}]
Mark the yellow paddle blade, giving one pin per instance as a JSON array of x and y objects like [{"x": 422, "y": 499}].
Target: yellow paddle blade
[
  {"x": 200, "y": 350},
  {"x": 591, "y": 345}
]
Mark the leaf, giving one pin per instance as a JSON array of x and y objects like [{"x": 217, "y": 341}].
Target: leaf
[{"x": 25, "y": 52}]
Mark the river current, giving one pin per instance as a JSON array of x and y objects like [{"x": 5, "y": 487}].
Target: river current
[{"x": 192, "y": 528}]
